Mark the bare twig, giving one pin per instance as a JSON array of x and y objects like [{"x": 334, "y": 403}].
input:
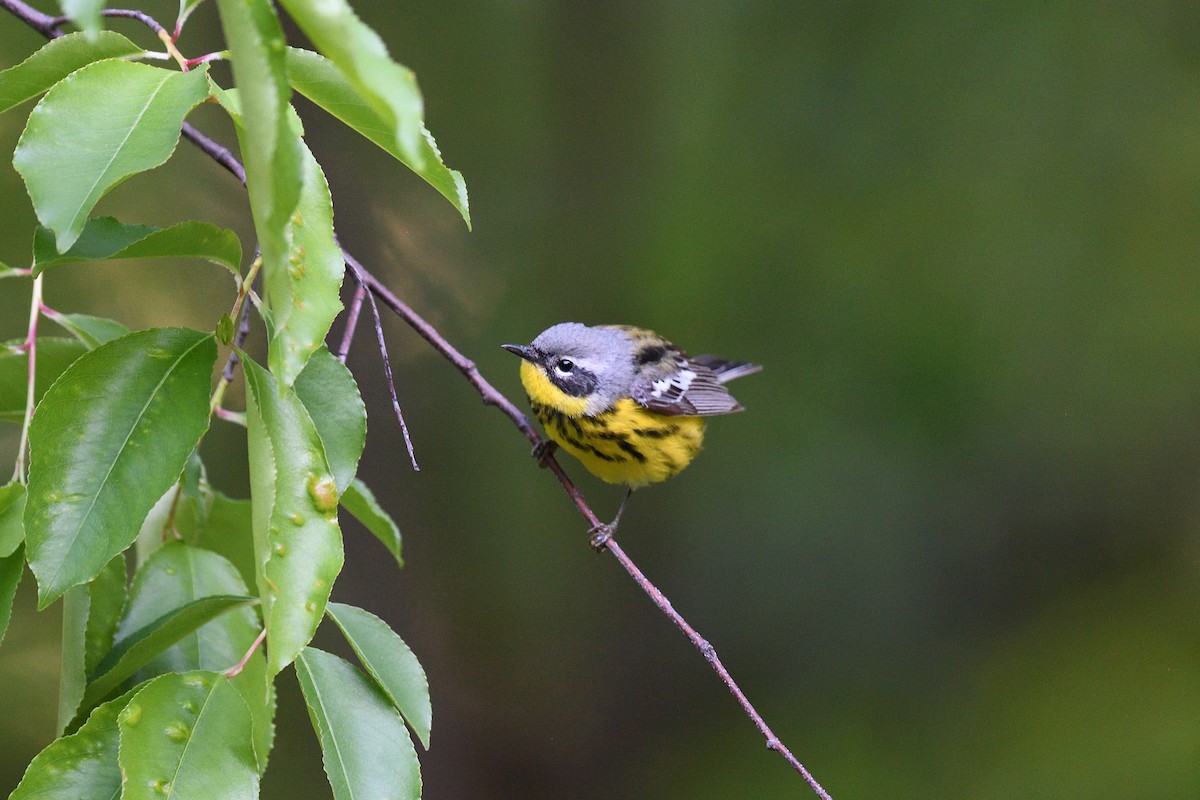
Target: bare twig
[
  {"x": 360, "y": 292},
  {"x": 387, "y": 364},
  {"x": 48, "y": 26}
]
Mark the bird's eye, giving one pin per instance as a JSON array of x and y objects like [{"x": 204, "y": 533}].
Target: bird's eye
[{"x": 565, "y": 365}]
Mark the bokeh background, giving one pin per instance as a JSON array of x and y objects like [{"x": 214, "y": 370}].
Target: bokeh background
[{"x": 952, "y": 550}]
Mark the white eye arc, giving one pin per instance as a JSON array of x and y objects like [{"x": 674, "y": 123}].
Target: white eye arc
[{"x": 563, "y": 366}]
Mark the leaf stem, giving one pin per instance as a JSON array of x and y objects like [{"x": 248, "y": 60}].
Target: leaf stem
[{"x": 30, "y": 347}]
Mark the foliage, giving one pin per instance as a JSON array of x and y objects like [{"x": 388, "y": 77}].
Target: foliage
[{"x": 113, "y": 419}]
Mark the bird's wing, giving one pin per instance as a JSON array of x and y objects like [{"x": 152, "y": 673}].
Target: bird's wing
[
  {"x": 693, "y": 389},
  {"x": 727, "y": 370}
]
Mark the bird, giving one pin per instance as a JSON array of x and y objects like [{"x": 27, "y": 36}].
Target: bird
[{"x": 630, "y": 405}]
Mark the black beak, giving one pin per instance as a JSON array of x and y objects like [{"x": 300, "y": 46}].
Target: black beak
[{"x": 523, "y": 350}]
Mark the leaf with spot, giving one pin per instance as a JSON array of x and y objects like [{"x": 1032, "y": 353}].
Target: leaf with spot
[
  {"x": 178, "y": 574},
  {"x": 389, "y": 661},
  {"x": 57, "y": 59},
  {"x": 187, "y": 735},
  {"x": 82, "y": 766},
  {"x": 360, "y": 501},
  {"x": 106, "y": 238},
  {"x": 365, "y": 746},
  {"x": 303, "y": 296},
  {"x": 96, "y": 128},
  {"x": 140, "y": 647},
  {"x": 110, "y": 436},
  {"x": 270, "y": 145},
  {"x": 330, "y": 395},
  {"x": 54, "y": 355},
  {"x": 90, "y": 616},
  {"x": 318, "y": 79},
  {"x": 293, "y": 499}
]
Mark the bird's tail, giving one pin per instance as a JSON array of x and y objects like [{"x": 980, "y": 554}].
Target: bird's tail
[{"x": 727, "y": 370}]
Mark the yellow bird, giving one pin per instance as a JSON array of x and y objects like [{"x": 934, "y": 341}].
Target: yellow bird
[{"x": 626, "y": 402}]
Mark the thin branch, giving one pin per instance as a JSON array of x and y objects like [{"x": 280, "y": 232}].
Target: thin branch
[
  {"x": 360, "y": 292},
  {"x": 490, "y": 396},
  {"x": 387, "y": 364}
]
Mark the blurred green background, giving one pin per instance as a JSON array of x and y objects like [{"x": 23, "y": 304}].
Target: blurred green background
[{"x": 951, "y": 548}]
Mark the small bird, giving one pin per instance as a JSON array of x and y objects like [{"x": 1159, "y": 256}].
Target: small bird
[{"x": 626, "y": 402}]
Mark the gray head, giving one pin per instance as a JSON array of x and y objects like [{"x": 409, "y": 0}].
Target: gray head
[{"x": 595, "y": 363}]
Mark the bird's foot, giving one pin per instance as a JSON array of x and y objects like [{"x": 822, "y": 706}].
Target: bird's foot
[
  {"x": 600, "y": 535},
  {"x": 543, "y": 450}
]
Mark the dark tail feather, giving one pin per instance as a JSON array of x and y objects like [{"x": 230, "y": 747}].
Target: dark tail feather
[{"x": 727, "y": 370}]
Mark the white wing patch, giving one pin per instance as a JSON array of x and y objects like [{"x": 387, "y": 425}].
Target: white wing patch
[{"x": 674, "y": 385}]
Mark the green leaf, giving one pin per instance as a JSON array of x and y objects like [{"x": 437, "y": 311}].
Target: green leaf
[
  {"x": 178, "y": 574},
  {"x": 330, "y": 395},
  {"x": 270, "y": 146},
  {"x": 11, "y": 567},
  {"x": 141, "y": 646},
  {"x": 303, "y": 295},
  {"x": 105, "y": 238},
  {"x": 362, "y": 505},
  {"x": 85, "y": 14},
  {"x": 110, "y": 436},
  {"x": 187, "y": 736},
  {"x": 90, "y": 615},
  {"x": 293, "y": 496},
  {"x": 365, "y": 746},
  {"x": 54, "y": 355},
  {"x": 12, "y": 509},
  {"x": 362, "y": 57},
  {"x": 390, "y": 662},
  {"x": 228, "y": 530},
  {"x": 82, "y": 766},
  {"x": 56, "y": 60},
  {"x": 173, "y": 576},
  {"x": 186, "y": 7},
  {"x": 92, "y": 331},
  {"x": 94, "y": 129},
  {"x": 316, "y": 77}
]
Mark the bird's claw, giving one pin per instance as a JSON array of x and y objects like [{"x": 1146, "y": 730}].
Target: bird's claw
[
  {"x": 600, "y": 534},
  {"x": 543, "y": 450}
]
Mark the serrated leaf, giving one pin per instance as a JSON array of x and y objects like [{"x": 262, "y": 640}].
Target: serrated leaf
[
  {"x": 12, "y": 510},
  {"x": 92, "y": 331},
  {"x": 54, "y": 355},
  {"x": 362, "y": 57},
  {"x": 390, "y": 662},
  {"x": 318, "y": 79},
  {"x": 178, "y": 574},
  {"x": 85, "y": 14},
  {"x": 293, "y": 496},
  {"x": 173, "y": 576},
  {"x": 270, "y": 146},
  {"x": 56, "y": 60},
  {"x": 303, "y": 297},
  {"x": 187, "y": 736},
  {"x": 110, "y": 436},
  {"x": 362, "y": 505},
  {"x": 96, "y": 128},
  {"x": 105, "y": 238},
  {"x": 365, "y": 747},
  {"x": 11, "y": 567},
  {"x": 90, "y": 616},
  {"x": 330, "y": 395},
  {"x": 140, "y": 647},
  {"x": 82, "y": 766}
]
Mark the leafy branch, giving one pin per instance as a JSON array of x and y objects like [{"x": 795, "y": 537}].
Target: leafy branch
[{"x": 304, "y": 448}]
